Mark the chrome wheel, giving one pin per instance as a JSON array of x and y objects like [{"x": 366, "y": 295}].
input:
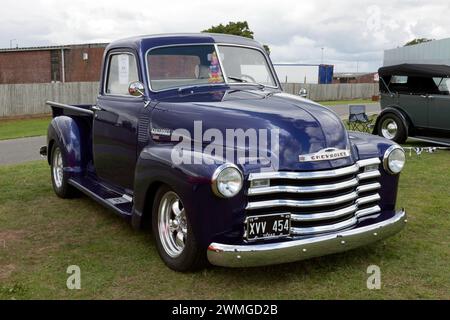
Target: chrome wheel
[
  {"x": 57, "y": 167},
  {"x": 389, "y": 128},
  {"x": 172, "y": 224}
]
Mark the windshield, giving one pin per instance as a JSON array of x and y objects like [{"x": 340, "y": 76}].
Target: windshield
[
  {"x": 180, "y": 66},
  {"x": 245, "y": 65}
]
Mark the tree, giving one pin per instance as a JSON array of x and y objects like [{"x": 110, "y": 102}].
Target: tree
[
  {"x": 239, "y": 28},
  {"x": 417, "y": 41}
]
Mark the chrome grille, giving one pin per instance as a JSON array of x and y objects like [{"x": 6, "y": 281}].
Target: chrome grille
[{"x": 319, "y": 201}]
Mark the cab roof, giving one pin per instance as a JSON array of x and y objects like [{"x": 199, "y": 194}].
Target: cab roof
[
  {"x": 146, "y": 42},
  {"x": 415, "y": 70}
]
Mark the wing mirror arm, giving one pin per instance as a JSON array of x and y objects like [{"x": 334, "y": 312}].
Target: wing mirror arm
[{"x": 137, "y": 89}]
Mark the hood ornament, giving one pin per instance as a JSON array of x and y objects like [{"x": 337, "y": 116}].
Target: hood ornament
[{"x": 325, "y": 154}]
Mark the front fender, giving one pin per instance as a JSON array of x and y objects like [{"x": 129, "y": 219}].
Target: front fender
[
  {"x": 69, "y": 134},
  {"x": 211, "y": 217},
  {"x": 371, "y": 146}
]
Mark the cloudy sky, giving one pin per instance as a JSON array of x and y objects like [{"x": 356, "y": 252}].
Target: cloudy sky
[{"x": 353, "y": 33}]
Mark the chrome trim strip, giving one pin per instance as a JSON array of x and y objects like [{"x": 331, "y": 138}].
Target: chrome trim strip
[
  {"x": 324, "y": 215},
  {"x": 367, "y": 211},
  {"x": 313, "y": 189},
  {"x": 301, "y": 203},
  {"x": 368, "y": 199},
  {"x": 368, "y": 162},
  {"x": 325, "y": 228},
  {"x": 315, "y": 202},
  {"x": 304, "y": 175},
  {"x": 306, "y": 189},
  {"x": 335, "y": 214},
  {"x": 369, "y": 175},
  {"x": 289, "y": 251},
  {"x": 368, "y": 187},
  {"x": 315, "y": 174}
]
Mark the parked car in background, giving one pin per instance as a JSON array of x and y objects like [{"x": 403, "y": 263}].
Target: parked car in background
[
  {"x": 309, "y": 189},
  {"x": 415, "y": 102}
]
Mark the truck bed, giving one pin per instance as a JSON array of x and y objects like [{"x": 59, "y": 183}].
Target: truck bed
[{"x": 59, "y": 109}]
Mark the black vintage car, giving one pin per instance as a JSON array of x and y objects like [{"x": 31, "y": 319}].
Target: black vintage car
[{"x": 415, "y": 102}]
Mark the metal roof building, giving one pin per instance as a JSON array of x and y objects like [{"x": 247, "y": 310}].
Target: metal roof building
[{"x": 433, "y": 52}]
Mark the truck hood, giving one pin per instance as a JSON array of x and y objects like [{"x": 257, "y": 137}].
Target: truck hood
[{"x": 303, "y": 126}]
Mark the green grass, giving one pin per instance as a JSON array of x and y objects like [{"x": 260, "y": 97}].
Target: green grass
[
  {"x": 21, "y": 128},
  {"x": 43, "y": 235},
  {"x": 339, "y": 102}
]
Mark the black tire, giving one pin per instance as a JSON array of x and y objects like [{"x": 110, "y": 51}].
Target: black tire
[
  {"x": 192, "y": 257},
  {"x": 399, "y": 135},
  {"x": 60, "y": 182}
]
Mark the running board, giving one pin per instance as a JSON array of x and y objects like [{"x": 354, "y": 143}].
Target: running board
[
  {"x": 439, "y": 141},
  {"x": 120, "y": 204}
]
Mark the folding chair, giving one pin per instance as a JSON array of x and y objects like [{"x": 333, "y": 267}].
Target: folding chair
[{"x": 358, "y": 119}]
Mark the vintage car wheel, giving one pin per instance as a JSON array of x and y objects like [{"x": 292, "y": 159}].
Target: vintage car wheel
[
  {"x": 59, "y": 176},
  {"x": 175, "y": 240},
  {"x": 391, "y": 127}
]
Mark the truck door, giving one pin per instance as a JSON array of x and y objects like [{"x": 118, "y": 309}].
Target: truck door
[
  {"x": 412, "y": 98},
  {"x": 116, "y": 121},
  {"x": 439, "y": 106}
]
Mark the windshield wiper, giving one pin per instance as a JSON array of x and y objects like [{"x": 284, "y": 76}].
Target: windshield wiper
[
  {"x": 260, "y": 85},
  {"x": 189, "y": 89}
]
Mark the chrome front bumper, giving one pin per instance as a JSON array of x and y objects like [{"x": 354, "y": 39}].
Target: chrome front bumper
[{"x": 253, "y": 255}]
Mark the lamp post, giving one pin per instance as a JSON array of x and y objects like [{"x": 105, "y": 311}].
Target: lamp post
[
  {"x": 321, "y": 61},
  {"x": 11, "y": 41}
]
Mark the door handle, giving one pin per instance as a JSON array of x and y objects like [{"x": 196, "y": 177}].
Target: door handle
[{"x": 96, "y": 108}]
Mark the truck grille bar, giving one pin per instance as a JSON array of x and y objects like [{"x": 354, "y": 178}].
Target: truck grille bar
[{"x": 319, "y": 201}]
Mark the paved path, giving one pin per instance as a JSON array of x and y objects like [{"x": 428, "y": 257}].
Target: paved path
[
  {"x": 27, "y": 149},
  {"x": 21, "y": 150}
]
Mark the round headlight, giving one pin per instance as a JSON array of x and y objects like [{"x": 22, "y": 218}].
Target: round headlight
[
  {"x": 394, "y": 159},
  {"x": 227, "y": 181}
]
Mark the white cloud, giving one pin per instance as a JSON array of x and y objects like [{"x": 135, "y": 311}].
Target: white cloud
[{"x": 351, "y": 32}]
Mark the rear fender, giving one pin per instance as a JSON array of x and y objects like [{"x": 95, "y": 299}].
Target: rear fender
[{"x": 70, "y": 134}]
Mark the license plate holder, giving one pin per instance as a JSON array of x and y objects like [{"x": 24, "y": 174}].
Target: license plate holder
[{"x": 270, "y": 226}]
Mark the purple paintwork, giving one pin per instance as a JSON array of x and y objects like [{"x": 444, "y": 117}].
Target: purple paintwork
[{"x": 119, "y": 152}]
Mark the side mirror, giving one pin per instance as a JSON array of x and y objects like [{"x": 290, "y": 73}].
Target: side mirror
[
  {"x": 136, "y": 89},
  {"x": 303, "y": 93}
]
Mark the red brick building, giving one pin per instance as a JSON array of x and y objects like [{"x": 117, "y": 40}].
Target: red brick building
[
  {"x": 355, "y": 77},
  {"x": 70, "y": 63}
]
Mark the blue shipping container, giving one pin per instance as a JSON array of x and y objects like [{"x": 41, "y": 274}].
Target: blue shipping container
[{"x": 325, "y": 74}]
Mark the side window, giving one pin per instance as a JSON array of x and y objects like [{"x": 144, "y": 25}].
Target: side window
[
  {"x": 122, "y": 71},
  {"x": 399, "y": 79},
  {"x": 399, "y": 84},
  {"x": 443, "y": 85}
]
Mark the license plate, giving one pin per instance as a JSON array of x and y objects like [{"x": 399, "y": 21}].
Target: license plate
[{"x": 268, "y": 226}]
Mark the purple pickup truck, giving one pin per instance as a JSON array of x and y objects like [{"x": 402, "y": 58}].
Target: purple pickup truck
[{"x": 192, "y": 137}]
